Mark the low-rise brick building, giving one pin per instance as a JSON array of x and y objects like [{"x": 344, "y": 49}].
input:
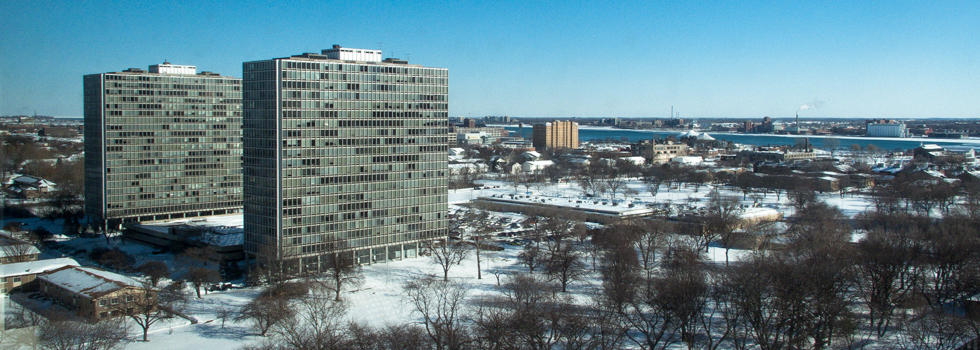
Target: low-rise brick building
[
  {"x": 92, "y": 293},
  {"x": 21, "y": 276}
]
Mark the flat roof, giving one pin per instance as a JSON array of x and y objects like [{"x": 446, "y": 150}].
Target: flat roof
[{"x": 36, "y": 266}]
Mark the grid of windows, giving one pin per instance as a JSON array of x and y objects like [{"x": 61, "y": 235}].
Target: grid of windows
[
  {"x": 160, "y": 146},
  {"x": 343, "y": 156}
]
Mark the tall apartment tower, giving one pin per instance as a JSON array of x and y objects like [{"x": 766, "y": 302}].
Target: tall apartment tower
[
  {"x": 556, "y": 134},
  {"x": 162, "y": 144},
  {"x": 344, "y": 153}
]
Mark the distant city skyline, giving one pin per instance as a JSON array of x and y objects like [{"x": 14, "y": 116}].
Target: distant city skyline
[{"x": 875, "y": 59}]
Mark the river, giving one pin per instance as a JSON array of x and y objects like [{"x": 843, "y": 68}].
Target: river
[{"x": 592, "y": 134}]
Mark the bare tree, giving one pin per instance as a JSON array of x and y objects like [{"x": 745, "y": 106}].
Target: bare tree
[
  {"x": 885, "y": 269},
  {"x": 648, "y": 237},
  {"x": 17, "y": 251},
  {"x": 665, "y": 309},
  {"x": 589, "y": 183},
  {"x": 525, "y": 179},
  {"x": 151, "y": 304},
  {"x": 763, "y": 233},
  {"x": 724, "y": 218},
  {"x": 614, "y": 182},
  {"x": 70, "y": 180},
  {"x": 479, "y": 220},
  {"x": 530, "y": 315},
  {"x": 797, "y": 298},
  {"x": 342, "y": 271},
  {"x": 200, "y": 273},
  {"x": 62, "y": 332},
  {"x": 874, "y": 154},
  {"x": 201, "y": 277},
  {"x": 448, "y": 253},
  {"x": 951, "y": 259},
  {"x": 564, "y": 263},
  {"x": 936, "y": 330},
  {"x": 392, "y": 336},
  {"x": 831, "y": 144},
  {"x": 699, "y": 177},
  {"x": 155, "y": 270},
  {"x": 316, "y": 322},
  {"x": 265, "y": 312},
  {"x": 223, "y": 312},
  {"x": 531, "y": 255},
  {"x": 268, "y": 268},
  {"x": 653, "y": 186},
  {"x": 440, "y": 303}
]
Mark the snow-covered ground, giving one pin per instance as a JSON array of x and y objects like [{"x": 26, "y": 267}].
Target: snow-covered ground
[{"x": 380, "y": 299}]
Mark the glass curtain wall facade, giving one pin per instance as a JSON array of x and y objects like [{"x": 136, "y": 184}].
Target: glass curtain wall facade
[
  {"x": 161, "y": 146},
  {"x": 343, "y": 157}
]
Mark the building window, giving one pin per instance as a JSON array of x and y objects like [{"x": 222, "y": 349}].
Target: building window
[
  {"x": 115, "y": 301},
  {"x": 102, "y": 302},
  {"x": 16, "y": 279},
  {"x": 129, "y": 298}
]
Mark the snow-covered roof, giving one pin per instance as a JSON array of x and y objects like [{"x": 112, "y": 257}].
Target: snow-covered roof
[
  {"x": 538, "y": 163},
  {"x": 931, "y": 147},
  {"x": 9, "y": 247},
  {"x": 752, "y": 213},
  {"x": 222, "y": 239},
  {"x": 635, "y": 160},
  {"x": 37, "y": 266},
  {"x": 934, "y": 173},
  {"x": 32, "y": 181},
  {"x": 230, "y": 220},
  {"x": 844, "y": 168},
  {"x": 221, "y": 230},
  {"x": 87, "y": 281},
  {"x": 687, "y": 160},
  {"x": 696, "y": 135}
]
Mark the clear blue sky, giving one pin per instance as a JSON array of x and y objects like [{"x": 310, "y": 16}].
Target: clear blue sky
[{"x": 741, "y": 59}]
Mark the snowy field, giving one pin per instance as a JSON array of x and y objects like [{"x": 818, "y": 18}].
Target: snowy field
[{"x": 380, "y": 299}]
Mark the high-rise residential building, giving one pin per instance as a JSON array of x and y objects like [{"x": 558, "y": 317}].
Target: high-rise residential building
[
  {"x": 556, "y": 134},
  {"x": 344, "y": 153},
  {"x": 163, "y": 143}
]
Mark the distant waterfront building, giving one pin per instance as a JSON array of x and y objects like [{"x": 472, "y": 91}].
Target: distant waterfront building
[
  {"x": 556, "y": 134},
  {"x": 496, "y": 119},
  {"x": 659, "y": 152},
  {"x": 675, "y": 123},
  {"x": 162, "y": 144},
  {"x": 343, "y": 156},
  {"x": 765, "y": 127},
  {"x": 886, "y": 128}
]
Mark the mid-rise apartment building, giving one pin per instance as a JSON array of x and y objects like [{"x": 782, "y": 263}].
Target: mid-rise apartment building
[
  {"x": 886, "y": 128},
  {"x": 163, "y": 143},
  {"x": 343, "y": 153},
  {"x": 556, "y": 134},
  {"x": 659, "y": 152}
]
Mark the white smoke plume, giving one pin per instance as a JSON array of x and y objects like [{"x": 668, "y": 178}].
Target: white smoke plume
[{"x": 812, "y": 105}]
